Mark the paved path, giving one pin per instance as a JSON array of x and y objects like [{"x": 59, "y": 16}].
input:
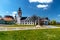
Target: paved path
[
  {"x": 49, "y": 26},
  {"x": 25, "y": 28},
  {"x": 17, "y": 28}
]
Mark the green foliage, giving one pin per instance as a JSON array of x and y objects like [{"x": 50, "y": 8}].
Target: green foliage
[
  {"x": 53, "y": 22},
  {"x": 6, "y": 22},
  {"x": 9, "y": 22},
  {"x": 57, "y": 25},
  {"x": 2, "y": 21},
  {"x": 41, "y": 34},
  {"x": 20, "y": 25}
]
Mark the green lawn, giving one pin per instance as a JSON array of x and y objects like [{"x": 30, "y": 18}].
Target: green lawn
[
  {"x": 41, "y": 34},
  {"x": 57, "y": 25},
  {"x": 19, "y": 26}
]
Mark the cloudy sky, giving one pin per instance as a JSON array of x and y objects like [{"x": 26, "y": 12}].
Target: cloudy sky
[{"x": 42, "y": 8}]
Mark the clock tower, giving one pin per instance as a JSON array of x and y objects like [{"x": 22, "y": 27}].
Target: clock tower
[
  {"x": 19, "y": 12},
  {"x": 19, "y": 16}
]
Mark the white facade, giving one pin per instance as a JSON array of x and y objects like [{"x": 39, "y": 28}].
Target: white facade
[
  {"x": 25, "y": 21},
  {"x": 18, "y": 20}
]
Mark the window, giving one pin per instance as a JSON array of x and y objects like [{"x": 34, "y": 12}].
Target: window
[
  {"x": 28, "y": 20},
  {"x": 25, "y": 23}
]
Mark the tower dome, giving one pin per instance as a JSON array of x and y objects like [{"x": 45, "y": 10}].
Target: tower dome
[{"x": 19, "y": 12}]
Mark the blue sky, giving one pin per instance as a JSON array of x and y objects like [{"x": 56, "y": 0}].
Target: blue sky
[{"x": 42, "y": 8}]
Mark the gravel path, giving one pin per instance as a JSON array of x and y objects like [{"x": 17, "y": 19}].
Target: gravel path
[
  {"x": 25, "y": 28},
  {"x": 17, "y": 28},
  {"x": 49, "y": 26}
]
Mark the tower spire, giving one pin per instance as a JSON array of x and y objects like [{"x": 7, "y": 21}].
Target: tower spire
[
  {"x": 19, "y": 9},
  {"x": 19, "y": 12}
]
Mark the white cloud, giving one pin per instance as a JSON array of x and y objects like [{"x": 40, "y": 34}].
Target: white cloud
[
  {"x": 41, "y": 1},
  {"x": 59, "y": 15},
  {"x": 42, "y": 6},
  {"x": 14, "y": 13},
  {"x": 33, "y": 1}
]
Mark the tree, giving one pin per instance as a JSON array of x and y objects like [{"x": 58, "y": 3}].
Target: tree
[
  {"x": 0, "y": 16},
  {"x": 53, "y": 22},
  {"x": 34, "y": 18}
]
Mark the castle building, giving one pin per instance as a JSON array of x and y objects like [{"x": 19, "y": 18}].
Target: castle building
[
  {"x": 23, "y": 20},
  {"x": 26, "y": 20}
]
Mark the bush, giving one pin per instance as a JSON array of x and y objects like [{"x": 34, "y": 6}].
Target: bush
[{"x": 9, "y": 22}]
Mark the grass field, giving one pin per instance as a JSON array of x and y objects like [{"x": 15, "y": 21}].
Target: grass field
[
  {"x": 19, "y": 25},
  {"x": 41, "y": 34},
  {"x": 57, "y": 25}
]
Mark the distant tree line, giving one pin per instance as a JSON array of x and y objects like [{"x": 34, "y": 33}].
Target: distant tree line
[{"x": 53, "y": 22}]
